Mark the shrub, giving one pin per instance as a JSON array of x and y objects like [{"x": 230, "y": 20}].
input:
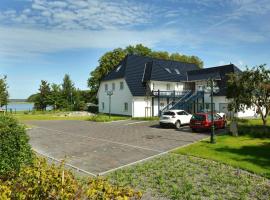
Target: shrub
[
  {"x": 44, "y": 181},
  {"x": 101, "y": 189},
  {"x": 5, "y": 191},
  {"x": 257, "y": 131},
  {"x": 14, "y": 148}
]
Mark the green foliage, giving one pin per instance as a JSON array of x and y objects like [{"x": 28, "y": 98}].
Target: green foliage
[
  {"x": 3, "y": 91},
  {"x": 60, "y": 97},
  {"x": 146, "y": 118},
  {"x": 44, "y": 181},
  {"x": 14, "y": 148},
  {"x": 106, "y": 118},
  {"x": 111, "y": 59},
  {"x": 251, "y": 88},
  {"x": 42, "y": 100}
]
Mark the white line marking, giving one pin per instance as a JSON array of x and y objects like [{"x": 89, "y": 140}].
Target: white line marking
[
  {"x": 151, "y": 157},
  {"x": 69, "y": 165},
  {"x": 133, "y": 163},
  {"x": 136, "y": 122},
  {"x": 104, "y": 140}
]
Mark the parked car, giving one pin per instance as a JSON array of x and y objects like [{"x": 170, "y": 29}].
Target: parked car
[
  {"x": 175, "y": 117},
  {"x": 202, "y": 121}
]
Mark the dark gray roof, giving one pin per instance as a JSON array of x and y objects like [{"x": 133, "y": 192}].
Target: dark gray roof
[
  {"x": 219, "y": 73},
  {"x": 138, "y": 69}
]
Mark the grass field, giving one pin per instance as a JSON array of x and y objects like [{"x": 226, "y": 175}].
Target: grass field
[
  {"x": 176, "y": 176},
  {"x": 49, "y": 115},
  {"x": 252, "y": 154}
]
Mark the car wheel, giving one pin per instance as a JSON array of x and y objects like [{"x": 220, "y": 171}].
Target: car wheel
[
  {"x": 194, "y": 130},
  {"x": 161, "y": 125},
  {"x": 178, "y": 124}
]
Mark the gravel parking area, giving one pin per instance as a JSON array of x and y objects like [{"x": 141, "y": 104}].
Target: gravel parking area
[{"x": 98, "y": 148}]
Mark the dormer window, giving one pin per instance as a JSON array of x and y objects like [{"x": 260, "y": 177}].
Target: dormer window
[
  {"x": 118, "y": 68},
  {"x": 168, "y": 70},
  {"x": 177, "y": 71}
]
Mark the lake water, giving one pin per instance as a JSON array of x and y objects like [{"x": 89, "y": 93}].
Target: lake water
[{"x": 20, "y": 106}]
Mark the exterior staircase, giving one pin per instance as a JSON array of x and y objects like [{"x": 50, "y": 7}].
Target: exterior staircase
[{"x": 184, "y": 101}]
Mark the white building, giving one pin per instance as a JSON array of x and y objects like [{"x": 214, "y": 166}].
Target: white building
[{"x": 143, "y": 87}]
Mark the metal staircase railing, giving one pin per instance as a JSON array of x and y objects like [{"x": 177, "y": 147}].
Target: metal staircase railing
[
  {"x": 183, "y": 104},
  {"x": 186, "y": 94}
]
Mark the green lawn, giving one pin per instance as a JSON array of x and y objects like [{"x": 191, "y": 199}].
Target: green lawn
[
  {"x": 176, "y": 176},
  {"x": 146, "y": 118},
  {"x": 21, "y": 116},
  {"x": 107, "y": 118},
  {"x": 245, "y": 152}
]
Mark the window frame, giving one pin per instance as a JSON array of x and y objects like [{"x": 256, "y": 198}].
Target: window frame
[
  {"x": 126, "y": 106},
  {"x": 121, "y": 87}
]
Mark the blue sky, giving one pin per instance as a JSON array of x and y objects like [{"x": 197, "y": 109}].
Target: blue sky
[{"x": 45, "y": 39}]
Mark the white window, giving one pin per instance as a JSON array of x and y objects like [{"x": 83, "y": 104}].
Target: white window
[
  {"x": 103, "y": 106},
  {"x": 168, "y": 86},
  {"x": 118, "y": 68},
  {"x": 126, "y": 107},
  {"x": 121, "y": 85},
  {"x": 106, "y": 87},
  {"x": 113, "y": 86},
  {"x": 168, "y": 70},
  {"x": 177, "y": 71}
]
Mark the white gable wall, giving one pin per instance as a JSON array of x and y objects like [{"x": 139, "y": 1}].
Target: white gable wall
[{"x": 118, "y": 99}]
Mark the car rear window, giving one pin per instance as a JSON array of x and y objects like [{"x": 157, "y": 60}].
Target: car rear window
[
  {"x": 169, "y": 113},
  {"x": 198, "y": 117}
]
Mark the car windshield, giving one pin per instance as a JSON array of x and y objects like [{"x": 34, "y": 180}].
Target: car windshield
[
  {"x": 169, "y": 113},
  {"x": 198, "y": 117}
]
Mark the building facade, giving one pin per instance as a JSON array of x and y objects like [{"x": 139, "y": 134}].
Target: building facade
[{"x": 144, "y": 87}]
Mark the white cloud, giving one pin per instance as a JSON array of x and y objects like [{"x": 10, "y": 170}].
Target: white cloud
[
  {"x": 27, "y": 43},
  {"x": 83, "y": 14}
]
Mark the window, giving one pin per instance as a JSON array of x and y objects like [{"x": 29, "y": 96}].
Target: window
[
  {"x": 168, "y": 70},
  {"x": 168, "y": 86},
  {"x": 182, "y": 113},
  {"x": 126, "y": 107},
  {"x": 118, "y": 68},
  {"x": 113, "y": 86},
  {"x": 121, "y": 85},
  {"x": 106, "y": 87},
  {"x": 169, "y": 113},
  {"x": 103, "y": 106},
  {"x": 177, "y": 71}
]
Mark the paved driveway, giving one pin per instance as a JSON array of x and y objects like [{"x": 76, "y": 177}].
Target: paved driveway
[{"x": 97, "y": 148}]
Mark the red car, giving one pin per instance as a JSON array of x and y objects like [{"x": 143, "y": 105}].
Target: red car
[{"x": 202, "y": 121}]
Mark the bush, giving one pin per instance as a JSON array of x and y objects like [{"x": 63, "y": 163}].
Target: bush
[
  {"x": 92, "y": 109},
  {"x": 257, "y": 131},
  {"x": 14, "y": 148},
  {"x": 44, "y": 181}
]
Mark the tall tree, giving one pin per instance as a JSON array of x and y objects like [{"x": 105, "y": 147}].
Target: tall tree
[
  {"x": 56, "y": 98},
  {"x": 251, "y": 88},
  {"x": 107, "y": 62},
  {"x": 3, "y": 91},
  {"x": 111, "y": 59},
  {"x": 68, "y": 89},
  {"x": 43, "y": 98}
]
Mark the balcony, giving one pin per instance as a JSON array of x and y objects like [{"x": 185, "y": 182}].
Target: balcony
[{"x": 169, "y": 93}]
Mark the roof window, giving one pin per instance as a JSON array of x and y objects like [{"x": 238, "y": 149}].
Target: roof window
[
  {"x": 177, "y": 71},
  {"x": 118, "y": 68},
  {"x": 168, "y": 70}
]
